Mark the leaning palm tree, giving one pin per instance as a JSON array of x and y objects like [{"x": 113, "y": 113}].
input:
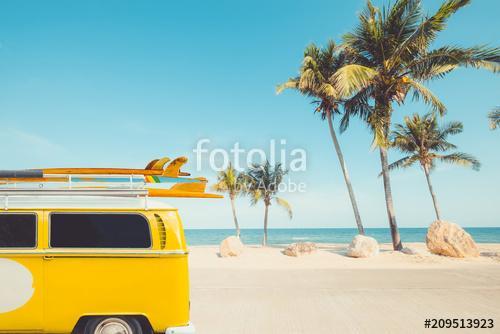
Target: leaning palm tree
[
  {"x": 233, "y": 183},
  {"x": 425, "y": 142},
  {"x": 318, "y": 66},
  {"x": 494, "y": 117},
  {"x": 390, "y": 56},
  {"x": 263, "y": 184}
]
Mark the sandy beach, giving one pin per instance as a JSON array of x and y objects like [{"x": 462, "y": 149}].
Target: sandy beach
[{"x": 264, "y": 291}]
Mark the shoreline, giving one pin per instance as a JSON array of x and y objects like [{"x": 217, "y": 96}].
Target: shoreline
[{"x": 212, "y": 237}]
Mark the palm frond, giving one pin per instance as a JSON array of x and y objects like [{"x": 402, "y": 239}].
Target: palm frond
[
  {"x": 353, "y": 78},
  {"x": 403, "y": 163},
  {"x": 402, "y": 19},
  {"x": 308, "y": 79},
  {"x": 357, "y": 106},
  {"x": 451, "y": 128},
  {"x": 420, "y": 91},
  {"x": 426, "y": 32},
  {"x": 292, "y": 83},
  {"x": 494, "y": 117},
  {"x": 461, "y": 159},
  {"x": 284, "y": 204},
  {"x": 328, "y": 90},
  {"x": 439, "y": 62}
]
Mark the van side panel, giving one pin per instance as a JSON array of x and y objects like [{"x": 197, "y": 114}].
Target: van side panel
[
  {"x": 150, "y": 282},
  {"x": 77, "y": 286}
]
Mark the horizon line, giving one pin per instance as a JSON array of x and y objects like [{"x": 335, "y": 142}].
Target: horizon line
[{"x": 318, "y": 228}]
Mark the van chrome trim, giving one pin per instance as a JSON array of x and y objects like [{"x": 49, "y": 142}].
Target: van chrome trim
[{"x": 97, "y": 253}]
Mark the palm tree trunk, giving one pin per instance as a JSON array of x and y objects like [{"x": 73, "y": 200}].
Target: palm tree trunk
[
  {"x": 346, "y": 175},
  {"x": 237, "y": 226},
  {"x": 396, "y": 239},
  {"x": 264, "y": 241},
  {"x": 434, "y": 199}
]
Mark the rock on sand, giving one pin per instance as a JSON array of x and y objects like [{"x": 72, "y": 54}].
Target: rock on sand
[
  {"x": 363, "y": 246},
  {"x": 231, "y": 246},
  {"x": 444, "y": 238},
  {"x": 300, "y": 248}
]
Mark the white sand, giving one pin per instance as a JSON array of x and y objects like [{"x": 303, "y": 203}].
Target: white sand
[{"x": 264, "y": 291}]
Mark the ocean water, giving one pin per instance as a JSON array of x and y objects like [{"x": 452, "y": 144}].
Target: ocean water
[{"x": 326, "y": 235}]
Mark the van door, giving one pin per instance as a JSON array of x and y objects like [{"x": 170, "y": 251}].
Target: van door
[
  {"x": 95, "y": 265},
  {"x": 21, "y": 272}
]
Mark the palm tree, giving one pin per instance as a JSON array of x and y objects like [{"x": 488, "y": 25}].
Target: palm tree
[
  {"x": 233, "y": 183},
  {"x": 425, "y": 142},
  {"x": 263, "y": 184},
  {"x": 494, "y": 117},
  {"x": 390, "y": 57},
  {"x": 318, "y": 66}
]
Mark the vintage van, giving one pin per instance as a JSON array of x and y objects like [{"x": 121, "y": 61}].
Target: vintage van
[{"x": 92, "y": 265}]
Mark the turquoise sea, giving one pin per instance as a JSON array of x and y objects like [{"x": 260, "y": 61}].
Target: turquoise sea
[{"x": 326, "y": 235}]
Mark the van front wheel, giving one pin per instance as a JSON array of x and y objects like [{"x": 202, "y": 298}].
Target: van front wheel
[{"x": 113, "y": 325}]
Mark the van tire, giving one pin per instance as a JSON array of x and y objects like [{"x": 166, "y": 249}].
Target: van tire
[{"x": 129, "y": 324}]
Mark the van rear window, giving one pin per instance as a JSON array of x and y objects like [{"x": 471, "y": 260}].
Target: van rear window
[
  {"x": 99, "y": 230},
  {"x": 17, "y": 230}
]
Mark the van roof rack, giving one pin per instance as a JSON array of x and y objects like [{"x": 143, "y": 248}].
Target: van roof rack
[
  {"x": 74, "y": 192},
  {"x": 118, "y": 182}
]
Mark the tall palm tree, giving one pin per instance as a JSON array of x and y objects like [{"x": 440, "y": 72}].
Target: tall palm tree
[
  {"x": 425, "y": 142},
  {"x": 318, "y": 66},
  {"x": 233, "y": 183},
  {"x": 494, "y": 117},
  {"x": 263, "y": 184},
  {"x": 390, "y": 57}
]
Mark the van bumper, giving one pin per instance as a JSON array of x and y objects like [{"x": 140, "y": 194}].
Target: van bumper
[{"x": 188, "y": 329}]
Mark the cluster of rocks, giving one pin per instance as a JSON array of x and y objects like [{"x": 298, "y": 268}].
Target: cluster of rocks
[
  {"x": 443, "y": 238},
  {"x": 300, "y": 248}
]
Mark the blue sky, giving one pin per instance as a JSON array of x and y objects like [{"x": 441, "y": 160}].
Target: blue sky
[{"x": 117, "y": 83}]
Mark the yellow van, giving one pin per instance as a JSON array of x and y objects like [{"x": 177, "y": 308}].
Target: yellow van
[{"x": 92, "y": 265}]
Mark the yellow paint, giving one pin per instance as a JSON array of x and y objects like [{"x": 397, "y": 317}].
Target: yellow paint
[{"x": 71, "y": 283}]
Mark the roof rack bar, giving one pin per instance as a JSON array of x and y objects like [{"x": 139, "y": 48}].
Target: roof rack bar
[{"x": 74, "y": 192}]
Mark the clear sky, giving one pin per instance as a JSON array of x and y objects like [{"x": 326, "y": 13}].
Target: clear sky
[{"x": 118, "y": 83}]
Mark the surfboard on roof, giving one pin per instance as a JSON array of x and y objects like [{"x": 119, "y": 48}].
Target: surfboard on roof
[{"x": 152, "y": 180}]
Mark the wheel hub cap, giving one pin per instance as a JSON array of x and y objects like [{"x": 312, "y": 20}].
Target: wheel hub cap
[{"x": 113, "y": 326}]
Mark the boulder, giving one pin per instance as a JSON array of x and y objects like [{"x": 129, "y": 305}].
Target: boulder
[
  {"x": 363, "y": 246},
  {"x": 300, "y": 248},
  {"x": 231, "y": 246},
  {"x": 444, "y": 238}
]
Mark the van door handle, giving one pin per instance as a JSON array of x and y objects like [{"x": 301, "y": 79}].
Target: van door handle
[{"x": 48, "y": 258}]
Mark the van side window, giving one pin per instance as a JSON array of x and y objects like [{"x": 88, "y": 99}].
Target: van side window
[
  {"x": 99, "y": 230},
  {"x": 17, "y": 230}
]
